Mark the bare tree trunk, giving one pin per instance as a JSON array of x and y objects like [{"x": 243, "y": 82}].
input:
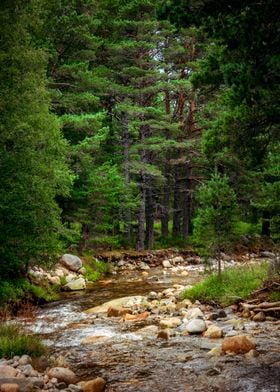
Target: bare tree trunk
[
  {"x": 149, "y": 216},
  {"x": 141, "y": 216},
  {"x": 186, "y": 208},
  {"x": 176, "y": 230},
  {"x": 127, "y": 211}
]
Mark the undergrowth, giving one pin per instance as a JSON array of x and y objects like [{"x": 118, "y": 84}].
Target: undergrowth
[
  {"x": 14, "y": 341},
  {"x": 233, "y": 284},
  {"x": 95, "y": 269}
]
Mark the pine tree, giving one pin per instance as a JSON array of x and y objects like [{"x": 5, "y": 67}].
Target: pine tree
[{"x": 32, "y": 158}]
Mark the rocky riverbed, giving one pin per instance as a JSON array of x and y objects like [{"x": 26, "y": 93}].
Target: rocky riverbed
[{"x": 134, "y": 332}]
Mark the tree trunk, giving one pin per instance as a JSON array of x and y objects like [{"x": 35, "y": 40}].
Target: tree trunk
[
  {"x": 266, "y": 224},
  {"x": 149, "y": 216},
  {"x": 127, "y": 211},
  {"x": 186, "y": 209},
  {"x": 176, "y": 230},
  {"x": 142, "y": 216}
]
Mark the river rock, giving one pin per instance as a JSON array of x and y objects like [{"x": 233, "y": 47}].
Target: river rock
[
  {"x": 196, "y": 326},
  {"x": 96, "y": 385},
  {"x": 130, "y": 301},
  {"x": 117, "y": 312},
  {"x": 23, "y": 384},
  {"x": 62, "y": 375},
  {"x": 144, "y": 266},
  {"x": 171, "y": 322},
  {"x": 193, "y": 313},
  {"x": 24, "y": 360},
  {"x": 177, "y": 259},
  {"x": 152, "y": 295},
  {"x": 259, "y": 317},
  {"x": 268, "y": 254},
  {"x": 9, "y": 388},
  {"x": 72, "y": 262},
  {"x": 166, "y": 264},
  {"x": 164, "y": 334},
  {"x": 77, "y": 284},
  {"x": 215, "y": 352},
  {"x": 238, "y": 344},
  {"x": 213, "y": 332},
  {"x": 7, "y": 371}
]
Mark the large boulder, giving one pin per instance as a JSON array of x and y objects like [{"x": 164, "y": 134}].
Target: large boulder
[
  {"x": 76, "y": 284},
  {"x": 238, "y": 344},
  {"x": 63, "y": 375},
  {"x": 119, "y": 303},
  {"x": 72, "y": 262}
]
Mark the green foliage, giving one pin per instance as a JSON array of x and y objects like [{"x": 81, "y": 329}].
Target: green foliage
[
  {"x": 15, "y": 290},
  {"x": 233, "y": 284},
  {"x": 95, "y": 269},
  {"x": 216, "y": 214},
  {"x": 32, "y": 150},
  {"x": 14, "y": 341}
]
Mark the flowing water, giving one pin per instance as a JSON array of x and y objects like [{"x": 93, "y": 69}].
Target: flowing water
[{"x": 131, "y": 358}]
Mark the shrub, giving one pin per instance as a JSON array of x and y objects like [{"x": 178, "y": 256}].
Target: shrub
[
  {"x": 233, "y": 284},
  {"x": 13, "y": 341}
]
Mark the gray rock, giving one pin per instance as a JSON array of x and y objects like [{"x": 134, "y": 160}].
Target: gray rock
[
  {"x": 62, "y": 375},
  {"x": 166, "y": 264},
  {"x": 193, "y": 313},
  {"x": 24, "y": 360},
  {"x": 196, "y": 326},
  {"x": 268, "y": 254},
  {"x": 144, "y": 266},
  {"x": 72, "y": 262},
  {"x": 77, "y": 284}
]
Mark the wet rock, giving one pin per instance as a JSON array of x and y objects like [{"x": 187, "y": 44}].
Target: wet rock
[
  {"x": 117, "y": 303},
  {"x": 72, "y": 262},
  {"x": 136, "y": 317},
  {"x": 184, "y": 273},
  {"x": 213, "y": 332},
  {"x": 148, "y": 331},
  {"x": 62, "y": 375},
  {"x": 96, "y": 385},
  {"x": 152, "y": 295},
  {"x": 222, "y": 314},
  {"x": 28, "y": 370},
  {"x": 246, "y": 313},
  {"x": 171, "y": 322},
  {"x": 118, "y": 312},
  {"x": 259, "y": 317},
  {"x": 164, "y": 334},
  {"x": 252, "y": 354},
  {"x": 193, "y": 313},
  {"x": 93, "y": 339},
  {"x": 75, "y": 285},
  {"x": 9, "y": 387},
  {"x": 8, "y": 371},
  {"x": 196, "y": 326},
  {"x": 144, "y": 266},
  {"x": 166, "y": 264},
  {"x": 215, "y": 352},
  {"x": 238, "y": 344}
]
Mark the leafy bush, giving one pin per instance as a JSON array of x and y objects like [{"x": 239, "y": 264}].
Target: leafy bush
[
  {"x": 14, "y": 341},
  {"x": 94, "y": 269},
  {"x": 232, "y": 284}
]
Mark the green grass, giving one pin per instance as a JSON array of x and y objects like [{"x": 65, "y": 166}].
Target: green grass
[
  {"x": 233, "y": 284},
  {"x": 274, "y": 296},
  {"x": 13, "y": 291},
  {"x": 95, "y": 269},
  {"x": 14, "y": 341}
]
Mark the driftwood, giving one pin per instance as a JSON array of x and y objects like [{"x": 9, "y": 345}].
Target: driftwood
[{"x": 262, "y": 307}]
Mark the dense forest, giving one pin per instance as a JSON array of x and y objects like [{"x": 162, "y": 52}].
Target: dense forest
[{"x": 137, "y": 124}]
